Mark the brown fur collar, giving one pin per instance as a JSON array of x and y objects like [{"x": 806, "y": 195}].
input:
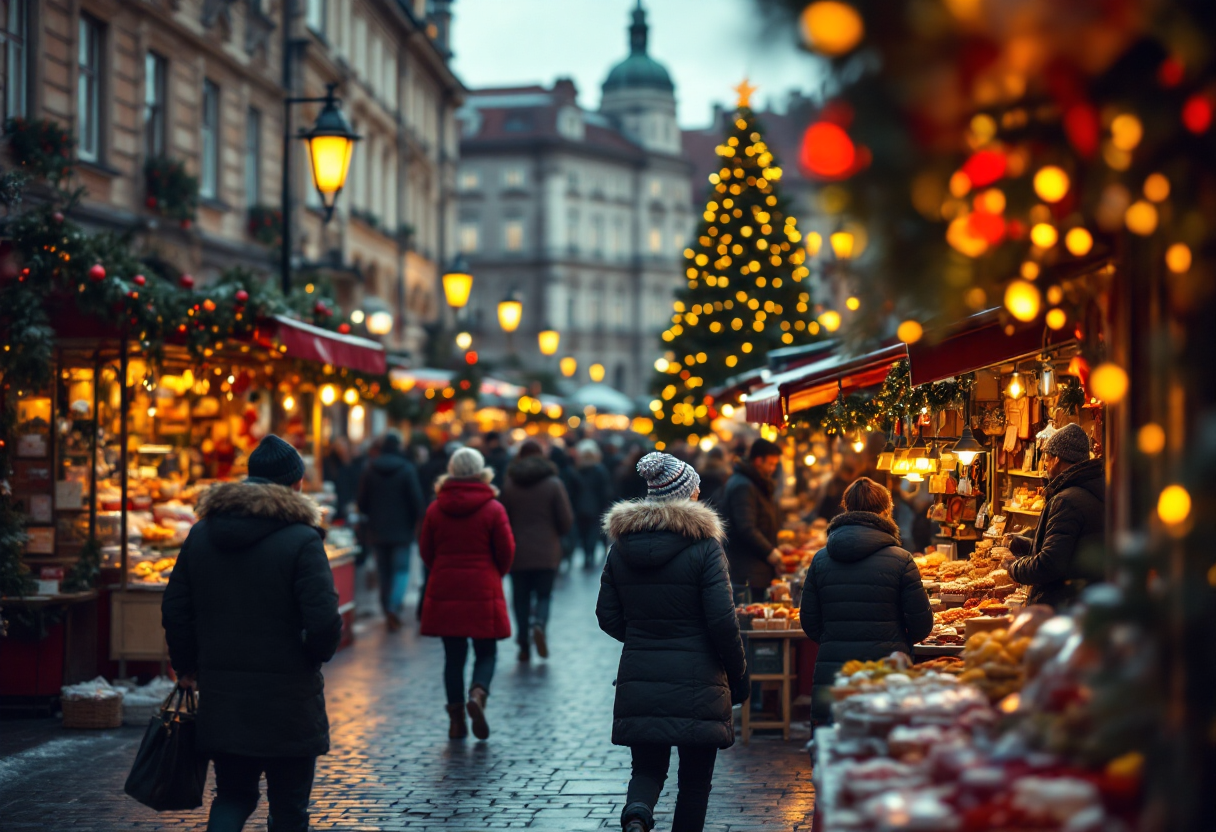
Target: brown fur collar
[
  {"x": 247, "y": 499},
  {"x": 865, "y": 518},
  {"x": 693, "y": 520}
]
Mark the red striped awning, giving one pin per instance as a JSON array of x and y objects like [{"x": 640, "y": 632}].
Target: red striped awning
[
  {"x": 820, "y": 383},
  {"x": 974, "y": 343},
  {"x": 315, "y": 344}
]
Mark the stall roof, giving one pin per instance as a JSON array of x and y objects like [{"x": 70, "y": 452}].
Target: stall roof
[
  {"x": 820, "y": 383},
  {"x": 315, "y": 344},
  {"x": 977, "y": 342},
  {"x": 743, "y": 382}
]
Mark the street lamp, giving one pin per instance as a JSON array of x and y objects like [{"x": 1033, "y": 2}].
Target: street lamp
[
  {"x": 457, "y": 284},
  {"x": 549, "y": 340},
  {"x": 569, "y": 366},
  {"x": 510, "y": 312}
]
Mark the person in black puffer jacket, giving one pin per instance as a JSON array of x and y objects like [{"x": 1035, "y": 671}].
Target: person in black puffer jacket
[
  {"x": 390, "y": 498},
  {"x": 746, "y": 503},
  {"x": 250, "y": 614},
  {"x": 665, "y": 593},
  {"x": 863, "y": 597}
]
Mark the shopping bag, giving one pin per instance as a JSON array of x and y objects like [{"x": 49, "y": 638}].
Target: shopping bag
[{"x": 168, "y": 773}]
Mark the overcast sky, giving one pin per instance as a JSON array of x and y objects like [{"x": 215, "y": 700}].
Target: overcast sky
[{"x": 708, "y": 46}]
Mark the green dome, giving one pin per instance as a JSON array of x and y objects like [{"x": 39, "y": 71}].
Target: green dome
[{"x": 639, "y": 70}]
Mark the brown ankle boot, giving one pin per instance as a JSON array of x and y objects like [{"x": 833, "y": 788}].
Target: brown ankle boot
[
  {"x": 457, "y": 729},
  {"x": 477, "y": 712}
]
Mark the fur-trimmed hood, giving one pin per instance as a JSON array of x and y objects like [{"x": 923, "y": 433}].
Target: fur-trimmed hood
[
  {"x": 529, "y": 470},
  {"x": 240, "y": 514},
  {"x": 686, "y": 518},
  {"x": 855, "y": 535}
]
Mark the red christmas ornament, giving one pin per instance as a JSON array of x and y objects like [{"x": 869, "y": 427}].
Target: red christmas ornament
[
  {"x": 827, "y": 151},
  {"x": 985, "y": 167},
  {"x": 57, "y": 217},
  {"x": 344, "y": 328},
  {"x": 151, "y": 202},
  {"x": 186, "y": 281},
  {"x": 1197, "y": 113},
  {"x": 139, "y": 280},
  {"x": 241, "y": 296},
  {"x": 97, "y": 273},
  {"x": 321, "y": 309}
]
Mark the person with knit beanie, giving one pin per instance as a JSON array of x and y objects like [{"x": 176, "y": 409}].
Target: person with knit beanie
[
  {"x": 467, "y": 544},
  {"x": 1065, "y": 553},
  {"x": 665, "y": 594}
]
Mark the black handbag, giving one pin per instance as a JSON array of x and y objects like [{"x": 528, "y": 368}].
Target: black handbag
[{"x": 168, "y": 773}]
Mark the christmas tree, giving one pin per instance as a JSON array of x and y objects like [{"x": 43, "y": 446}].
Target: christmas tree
[{"x": 745, "y": 293}]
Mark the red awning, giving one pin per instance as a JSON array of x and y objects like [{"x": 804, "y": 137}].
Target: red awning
[
  {"x": 974, "y": 343},
  {"x": 820, "y": 383},
  {"x": 315, "y": 344}
]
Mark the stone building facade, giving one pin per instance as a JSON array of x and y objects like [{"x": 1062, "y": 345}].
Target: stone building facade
[
  {"x": 582, "y": 215},
  {"x": 203, "y": 81}
]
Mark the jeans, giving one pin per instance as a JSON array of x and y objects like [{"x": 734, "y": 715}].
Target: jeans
[
  {"x": 288, "y": 786},
  {"x": 650, "y": 764},
  {"x": 589, "y": 538},
  {"x": 456, "y": 654},
  {"x": 393, "y": 572},
  {"x": 526, "y": 585}
]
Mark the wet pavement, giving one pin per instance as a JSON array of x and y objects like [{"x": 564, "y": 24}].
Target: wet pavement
[{"x": 548, "y": 764}]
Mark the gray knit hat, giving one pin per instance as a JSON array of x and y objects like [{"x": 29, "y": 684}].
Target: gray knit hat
[
  {"x": 468, "y": 464},
  {"x": 1070, "y": 443},
  {"x": 667, "y": 478}
]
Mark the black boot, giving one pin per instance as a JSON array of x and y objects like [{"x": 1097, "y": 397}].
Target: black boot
[{"x": 637, "y": 817}]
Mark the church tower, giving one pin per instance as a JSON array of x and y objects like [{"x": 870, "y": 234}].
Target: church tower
[{"x": 640, "y": 96}]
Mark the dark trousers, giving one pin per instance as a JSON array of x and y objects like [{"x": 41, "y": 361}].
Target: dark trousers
[
  {"x": 456, "y": 655},
  {"x": 531, "y": 591},
  {"x": 288, "y": 786},
  {"x": 589, "y": 535},
  {"x": 650, "y": 764},
  {"x": 393, "y": 573}
]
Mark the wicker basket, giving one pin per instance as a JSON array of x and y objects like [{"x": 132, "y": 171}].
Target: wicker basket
[{"x": 91, "y": 712}]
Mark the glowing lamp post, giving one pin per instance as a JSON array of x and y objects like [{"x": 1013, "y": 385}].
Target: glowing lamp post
[
  {"x": 549, "y": 340},
  {"x": 457, "y": 284},
  {"x": 510, "y": 312}
]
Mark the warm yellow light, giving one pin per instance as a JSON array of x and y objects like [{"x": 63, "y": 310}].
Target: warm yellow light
[
  {"x": 853, "y": 304},
  {"x": 1016, "y": 388},
  {"x": 1126, "y": 132},
  {"x": 1030, "y": 270},
  {"x": 328, "y": 395},
  {"x": 569, "y": 365},
  {"x": 809, "y": 460},
  {"x": 991, "y": 201},
  {"x": 509, "y": 314},
  {"x": 728, "y": 410},
  {"x": 1051, "y": 183},
  {"x": 457, "y": 286},
  {"x": 380, "y": 322},
  {"x": 1056, "y": 318},
  {"x": 330, "y": 158},
  {"x": 357, "y": 413},
  {"x": 910, "y": 332},
  {"x": 151, "y": 412},
  {"x": 706, "y": 443},
  {"x": 1108, "y": 382},
  {"x": 832, "y": 28},
  {"x": 351, "y": 396},
  {"x": 1157, "y": 187},
  {"x": 914, "y": 476},
  {"x": 1150, "y": 439},
  {"x": 1174, "y": 505},
  {"x": 1078, "y": 241},
  {"x": 858, "y": 445},
  {"x": 548, "y": 341},
  {"x": 842, "y": 244},
  {"x": 959, "y": 236},
  {"x": 1178, "y": 258},
  {"x": 1141, "y": 218},
  {"x": 814, "y": 241},
  {"x": 1044, "y": 235},
  {"x": 830, "y": 320},
  {"x": 464, "y": 340},
  {"x": 1022, "y": 300},
  {"x": 357, "y": 316},
  {"x": 596, "y": 371},
  {"x": 965, "y": 458},
  {"x": 289, "y": 403}
]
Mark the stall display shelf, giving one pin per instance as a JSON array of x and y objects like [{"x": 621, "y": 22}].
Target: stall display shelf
[
  {"x": 785, "y": 678},
  {"x": 1024, "y": 511},
  {"x": 1037, "y": 475}
]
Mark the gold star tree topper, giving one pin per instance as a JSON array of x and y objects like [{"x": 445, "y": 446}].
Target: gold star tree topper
[{"x": 744, "y": 90}]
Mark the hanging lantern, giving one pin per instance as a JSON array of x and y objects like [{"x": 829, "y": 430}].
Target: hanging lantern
[
  {"x": 1047, "y": 379},
  {"x": 331, "y": 142},
  {"x": 1017, "y": 386},
  {"x": 457, "y": 284},
  {"x": 548, "y": 341},
  {"x": 328, "y": 395},
  {"x": 966, "y": 448},
  {"x": 380, "y": 322},
  {"x": 510, "y": 311},
  {"x": 569, "y": 366}
]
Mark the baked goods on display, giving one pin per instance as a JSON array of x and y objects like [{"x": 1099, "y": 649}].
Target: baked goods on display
[{"x": 769, "y": 616}]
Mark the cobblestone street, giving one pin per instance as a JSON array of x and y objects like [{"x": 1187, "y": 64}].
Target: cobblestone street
[{"x": 548, "y": 765}]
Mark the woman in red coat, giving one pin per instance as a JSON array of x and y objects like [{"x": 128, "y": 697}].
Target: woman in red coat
[{"x": 467, "y": 546}]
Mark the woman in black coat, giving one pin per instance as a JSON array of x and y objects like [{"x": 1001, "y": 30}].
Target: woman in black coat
[
  {"x": 863, "y": 597},
  {"x": 665, "y": 593}
]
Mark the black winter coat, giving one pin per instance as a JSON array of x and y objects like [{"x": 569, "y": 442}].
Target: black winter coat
[
  {"x": 1067, "y": 549},
  {"x": 863, "y": 599},
  {"x": 665, "y": 593},
  {"x": 751, "y": 526},
  {"x": 390, "y": 497},
  {"x": 251, "y": 608},
  {"x": 593, "y": 494}
]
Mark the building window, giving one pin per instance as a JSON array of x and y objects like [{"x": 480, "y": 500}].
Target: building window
[
  {"x": 617, "y": 243},
  {"x": 470, "y": 236},
  {"x": 597, "y": 236},
  {"x": 15, "y": 38},
  {"x": 253, "y": 157},
  {"x": 513, "y": 235},
  {"x": 470, "y": 180},
  {"x": 656, "y": 240},
  {"x": 155, "y": 72},
  {"x": 88, "y": 88},
  {"x": 656, "y": 188},
  {"x": 513, "y": 177},
  {"x": 209, "y": 179},
  {"x": 572, "y": 230},
  {"x": 314, "y": 16},
  {"x": 572, "y": 181}
]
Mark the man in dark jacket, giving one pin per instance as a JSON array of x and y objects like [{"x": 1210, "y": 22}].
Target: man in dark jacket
[
  {"x": 1067, "y": 549},
  {"x": 751, "y": 519},
  {"x": 714, "y": 475},
  {"x": 863, "y": 597},
  {"x": 665, "y": 594},
  {"x": 496, "y": 456},
  {"x": 250, "y": 614},
  {"x": 390, "y": 497}
]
